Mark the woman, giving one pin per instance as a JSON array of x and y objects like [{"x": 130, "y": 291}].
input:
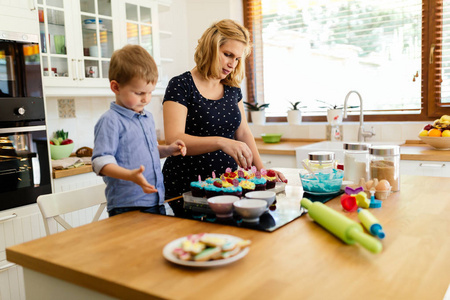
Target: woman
[{"x": 204, "y": 108}]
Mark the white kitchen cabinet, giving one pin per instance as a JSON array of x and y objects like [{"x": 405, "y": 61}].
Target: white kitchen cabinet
[
  {"x": 19, "y": 16},
  {"x": 25, "y": 223},
  {"x": 280, "y": 161},
  {"x": 425, "y": 168},
  {"x": 79, "y": 37},
  {"x": 17, "y": 226}
]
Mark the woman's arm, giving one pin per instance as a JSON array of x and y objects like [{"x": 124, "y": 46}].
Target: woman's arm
[
  {"x": 174, "y": 129},
  {"x": 245, "y": 135}
]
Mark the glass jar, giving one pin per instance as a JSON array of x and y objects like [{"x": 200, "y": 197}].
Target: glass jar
[
  {"x": 356, "y": 162},
  {"x": 385, "y": 164},
  {"x": 322, "y": 161}
]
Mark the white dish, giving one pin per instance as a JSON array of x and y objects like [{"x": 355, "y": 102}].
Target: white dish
[
  {"x": 168, "y": 253},
  {"x": 279, "y": 187}
]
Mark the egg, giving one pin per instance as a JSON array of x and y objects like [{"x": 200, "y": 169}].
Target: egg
[
  {"x": 383, "y": 185},
  {"x": 369, "y": 184}
]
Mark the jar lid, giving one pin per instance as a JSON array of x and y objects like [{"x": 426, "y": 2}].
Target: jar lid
[
  {"x": 321, "y": 155},
  {"x": 384, "y": 150},
  {"x": 356, "y": 146}
]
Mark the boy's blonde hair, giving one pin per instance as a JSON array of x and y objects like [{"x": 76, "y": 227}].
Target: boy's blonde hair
[
  {"x": 207, "y": 52},
  {"x": 132, "y": 61}
]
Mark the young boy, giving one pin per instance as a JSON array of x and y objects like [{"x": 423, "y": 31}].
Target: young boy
[{"x": 126, "y": 151}]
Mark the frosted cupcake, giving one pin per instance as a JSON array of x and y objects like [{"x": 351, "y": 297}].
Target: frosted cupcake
[
  {"x": 247, "y": 186},
  {"x": 271, "y": 178},
  {"x": 260, "y": 182},
  {"x": 214, "y": 189}
]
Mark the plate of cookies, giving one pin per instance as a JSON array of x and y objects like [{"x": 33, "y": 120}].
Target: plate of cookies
[{"x": 206, "y": 250}]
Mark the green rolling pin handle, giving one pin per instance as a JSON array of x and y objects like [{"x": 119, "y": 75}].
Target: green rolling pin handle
[
  {"x": 342, "y": 227},
  {"x": 365, "y": 240}
]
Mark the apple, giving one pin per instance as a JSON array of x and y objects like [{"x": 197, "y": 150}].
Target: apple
[{"x": 66, "y": 142}]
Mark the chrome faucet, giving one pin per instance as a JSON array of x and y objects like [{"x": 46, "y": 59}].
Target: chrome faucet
[{"x": 362, "y": 135}]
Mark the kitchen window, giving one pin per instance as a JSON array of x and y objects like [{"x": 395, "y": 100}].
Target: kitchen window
[{"x": 395, "y": 53}]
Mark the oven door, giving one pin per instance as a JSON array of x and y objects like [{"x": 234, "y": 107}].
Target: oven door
[{"x": 24, "y": 165}]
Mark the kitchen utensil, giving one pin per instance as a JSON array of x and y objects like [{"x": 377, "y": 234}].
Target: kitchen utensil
[{"x": 344, "y": 228}]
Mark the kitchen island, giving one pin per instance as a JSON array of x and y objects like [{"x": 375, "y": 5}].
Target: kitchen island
[{"x": 122, "y": 256}]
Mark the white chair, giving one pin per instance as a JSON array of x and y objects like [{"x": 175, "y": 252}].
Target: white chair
[{"x": 52, "y": 206}]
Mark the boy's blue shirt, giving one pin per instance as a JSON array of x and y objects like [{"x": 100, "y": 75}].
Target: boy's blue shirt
[{"x": 128, "y": 139}]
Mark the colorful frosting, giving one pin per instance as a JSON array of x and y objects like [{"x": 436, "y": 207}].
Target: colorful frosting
[
  {"x": 247, "y": 185},
  {"x": 198, "y": 184},
  {"x": 258, "y": 180},
  {"x": 232, "y": 189}
]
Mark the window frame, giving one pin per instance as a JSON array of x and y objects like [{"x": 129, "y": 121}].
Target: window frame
[{"x": 430, "y": 71}]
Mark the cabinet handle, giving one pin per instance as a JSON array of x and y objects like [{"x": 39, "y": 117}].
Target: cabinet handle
[
  {"x": 74, "y": 69},
  {"x": 8, "y": 217},
  {"x": 7, "y": 266},
  {"x": 431, "y": 165},
  {"x": 80, "y": 64}
]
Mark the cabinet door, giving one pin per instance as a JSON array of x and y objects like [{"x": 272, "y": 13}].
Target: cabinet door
[
  {"x": 140, "y": 25},
  {"x": 18, "y": 16},
  {"x": 55, "y": 51},
  {"x": 95, "y": 21}
]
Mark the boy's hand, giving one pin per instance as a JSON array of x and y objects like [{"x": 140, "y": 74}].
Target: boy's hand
[
  {"x": 139, "y": 179},
  {"x": 178, "y": 147}
]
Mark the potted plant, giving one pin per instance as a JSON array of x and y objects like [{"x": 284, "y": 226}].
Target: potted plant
[
  {"x": 257, "y": 112},
  {"x": 334, "y": 112},
  {"x": 294, "y": 114}
]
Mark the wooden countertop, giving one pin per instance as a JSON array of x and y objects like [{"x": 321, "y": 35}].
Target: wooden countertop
[
  {"x": 122, "y": 256},
  {"x": 422, "y": 151},
  {"x": 284, "y": 147}
]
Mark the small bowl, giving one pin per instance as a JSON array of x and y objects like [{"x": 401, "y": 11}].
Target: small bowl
[
  {"x": 222, "y": 205},
  {"x": 271, "y": 137},
  {"x": 61, "y": 151},
  {"x": 322, "y": 184},
  {"x": 250, "y": 209},
  {"x": 267, "y": 196},
  {"x": 440, "y": 143}
]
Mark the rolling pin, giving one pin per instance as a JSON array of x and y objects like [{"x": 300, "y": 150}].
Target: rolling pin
[{"x": 344, "y": 228}]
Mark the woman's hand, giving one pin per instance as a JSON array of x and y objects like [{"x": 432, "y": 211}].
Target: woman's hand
[
  {"x": 137, "y": 177},
  {"x": 280, "y": 176},
  {"x": 239, "y": 151}
]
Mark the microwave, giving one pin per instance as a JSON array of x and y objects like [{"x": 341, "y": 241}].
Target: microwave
[{"x": 20, "y": 68}]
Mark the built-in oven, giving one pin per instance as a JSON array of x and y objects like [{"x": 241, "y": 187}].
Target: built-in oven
[{"x": 24, "y": 158}]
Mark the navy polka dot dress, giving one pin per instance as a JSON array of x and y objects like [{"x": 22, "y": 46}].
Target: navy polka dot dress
[{"x": 204, "y": 118}]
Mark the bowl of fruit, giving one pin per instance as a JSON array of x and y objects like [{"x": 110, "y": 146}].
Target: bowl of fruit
[
  {"x": 61, "y": 146},
  {"x": 437, "y": 134}
]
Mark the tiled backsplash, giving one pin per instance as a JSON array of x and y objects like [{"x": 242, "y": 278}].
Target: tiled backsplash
[{"x": 87, "y": 112}]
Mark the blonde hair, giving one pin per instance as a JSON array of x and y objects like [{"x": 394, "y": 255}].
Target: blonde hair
[
  {"x": 132, "y": 61},
  {"x": 207, "y": 51}
]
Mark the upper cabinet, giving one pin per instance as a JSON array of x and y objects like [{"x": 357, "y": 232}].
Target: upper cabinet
[
  {"x": 18, "y": 16},
  {"x": 79, "y": 37}
]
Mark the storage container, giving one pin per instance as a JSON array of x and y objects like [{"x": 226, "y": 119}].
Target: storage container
[{"x": 385, "y": 164}]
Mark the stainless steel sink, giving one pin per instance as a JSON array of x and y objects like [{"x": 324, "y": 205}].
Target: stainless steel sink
[{"x": 336, "y": 147}]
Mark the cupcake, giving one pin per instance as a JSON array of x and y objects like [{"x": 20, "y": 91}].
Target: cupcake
[
  {"x": 198, "y": 187},
  {"x": 234, "y": 189},
  {"x": 271, "y": 178},
  {"x": 247, "y": 186},
  {"x": 260, "y": 182},
  {"x": 214, "y": 189}
]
